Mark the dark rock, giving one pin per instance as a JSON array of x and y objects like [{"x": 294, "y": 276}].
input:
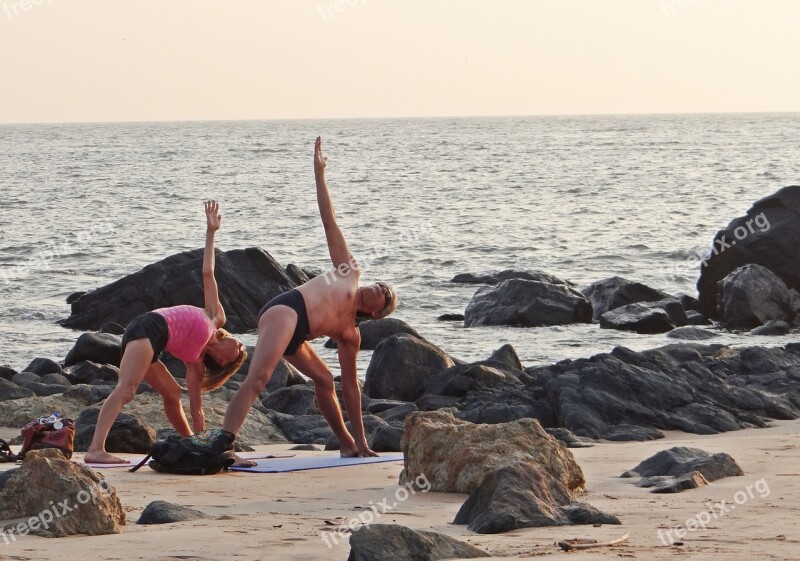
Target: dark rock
[
  {"x": 88, "y": 395},
  {"x": 751, "y": 296},
  {"x": 110, "y": 328},
  {"x": 398, "y": 413},
  {"x": 101, "y": 348},
  {"x": 631, "y": 433},
  {"x": 377, "y": 406},
  {"x": 162, "y": 512},
  {"x": 691, "y": 333},
  {"x": 306, "y": 448},
  {"x": 26, "y": 378},
  {"x": 248, "y": 278},
  {"x": 43, "y": 390},
  {"x": 497, "y": 278},
  {"x": 690, "y": 304},
  {"x": 386, "y": 439},
  {"x": 389, "y": 542},
  {"x": 567, "y": 437},
  {"x": 696, "y": 318},
  {"x": 458, "y": 381},
  {"x": 505, "y": 357},
  {"x": 400, "y": 365},
  {"x": 645, "y": 317},
  {"x": 451, "y": 317},
  {"x": 766, "y": 236},
  {"x": 10, "y": 390},
  {"x": 42, "y": 366},
  {"x": 299, "y": 276},
  {"x": 90, "y": 373},
  {"x": 435, "y": 402},
  {"x": 615, "y": 292},
  {"x": 376, "y": 330},
  {"x": 297, "y": 400},
  {"x": 129, "y": 434},
  {"x": 281, "y": 376},
  {"x": 691, "y": 480},
  {"x": 527, "y": 303},
  {"x": 772, "y": 328},
  {"x": 303, "y": 429},
  {"x": 681, "y": 460},
  {"x": 7, "y": 373},
  {"x": 56, "y": 380},
  {"x": 524, "y": 495}
]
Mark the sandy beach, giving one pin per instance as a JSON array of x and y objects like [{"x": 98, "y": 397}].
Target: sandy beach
[{"x": 283, "y": 516}]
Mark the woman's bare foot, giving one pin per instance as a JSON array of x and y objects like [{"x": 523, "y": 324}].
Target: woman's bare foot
[
  {"x": 244, "y": 463},
  {"x": 103, "y": 457}
]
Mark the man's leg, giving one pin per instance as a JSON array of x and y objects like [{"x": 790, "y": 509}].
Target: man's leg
[
  {"x": 275, "y": 330},
  {"x": 134, "y": 367},
  {"x": 309, "y": 363}
]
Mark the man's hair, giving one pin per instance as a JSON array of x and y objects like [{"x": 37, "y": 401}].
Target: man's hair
[{"x": 391, "y": 306}]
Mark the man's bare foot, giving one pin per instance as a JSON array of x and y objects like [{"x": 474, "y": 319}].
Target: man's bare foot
[
  {"x": 242, "y": 462},
  {"x": 103, "y": 458}
]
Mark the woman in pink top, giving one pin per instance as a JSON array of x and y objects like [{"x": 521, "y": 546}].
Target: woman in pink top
[{"x": 193, "y": 335}]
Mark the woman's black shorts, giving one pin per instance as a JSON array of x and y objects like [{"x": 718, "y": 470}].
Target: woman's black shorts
[{"x": 150, "y": 326}]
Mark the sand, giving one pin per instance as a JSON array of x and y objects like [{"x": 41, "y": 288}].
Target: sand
[{"x": 282, "y": 516}]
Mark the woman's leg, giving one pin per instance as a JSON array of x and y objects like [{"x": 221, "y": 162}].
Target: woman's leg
[
  {"x": 134, "y": 367},
  {"x": 309, "y": 363},
  {"x": 275, "y": 330},
  {"x": 162, "y": 381}
]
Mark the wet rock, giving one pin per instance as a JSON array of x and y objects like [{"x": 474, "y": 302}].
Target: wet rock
[
  {"x": 389, "y": 542},
  {"x": 376, "y": 330},
  {"x": 499, "y": 277},
  {"x": 456, "y": 455},
  {"x": 248, "y": 279},
  {"x": 523, "y": 495},
  {"x": 645, "y": 317},
  {"x": 615, "y": 292},
  {"x": 751, "y": 296},
  {"x": 10, "y": 391},
  {"x": 505, "y": 358},
  {"x": 772, "y": 328},
  {"x": 682, "y": 460},
  {"x": 100, "y": 348},
  {"x": 400, "y": 365},
  {"x": 297, "y": 400},
  {"x": 129, "y": 434},
  {"x": 767, "y": 235},
  {"x": 527, "y": 303},
  {"x": 691, "y": 333},
  {"x": 162, "y": 512},
  {"x": 696, "y": 318},
  {"x": 451, "y": 317},
  {"x": 47, "y": 478},
  {"x": 42, "y": 366}
]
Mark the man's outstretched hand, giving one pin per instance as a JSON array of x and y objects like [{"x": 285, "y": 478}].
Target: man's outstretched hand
[{"x": 320, "y": 161}]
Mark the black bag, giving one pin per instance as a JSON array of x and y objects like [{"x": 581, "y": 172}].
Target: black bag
[{"x": 205, "y": 453}]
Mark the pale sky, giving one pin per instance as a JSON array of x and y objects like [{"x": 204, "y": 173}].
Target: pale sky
[{"x": 145, "y": 60}]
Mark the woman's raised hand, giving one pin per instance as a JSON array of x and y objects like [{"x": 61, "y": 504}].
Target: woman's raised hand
[
  {"x": 320, "y": 161},
  {"x": 213, "y": 217}
]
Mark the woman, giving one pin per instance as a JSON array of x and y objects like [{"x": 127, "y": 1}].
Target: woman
[
  {"x": 325, "y": 305},
  {"x": 191, "y": 334}
]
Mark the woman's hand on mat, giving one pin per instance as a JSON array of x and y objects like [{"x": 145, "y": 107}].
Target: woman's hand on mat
[
  {"x": 320, "y": 161},
  {"x": 213, "y": 217},
  {"x": 242, "y": 462}
]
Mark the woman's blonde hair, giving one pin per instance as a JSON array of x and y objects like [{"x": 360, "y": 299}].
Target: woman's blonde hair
[{"x": 216, "y": 375}]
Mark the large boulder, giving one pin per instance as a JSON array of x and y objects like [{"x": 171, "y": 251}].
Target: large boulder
[
  {"x": 7, "y": 373},
  {"x": 303, "y": 429},
  {"x": 92, "y": 373},
  {"x": 456, "y": 455},
  {"x": 523, "y": 495},
  {"x": 248, "y": 278},
  {"x": 374, "y": 331},
  {"x": 128, "y": 434},
  {"x": 295, "y": 400},
  {"x": 10, "y": 391},
  {"x": 751, "y": 296},
  {"x": 527, "y": 303},
  {"x": 682, "y": 460},
  {"x": 609, "y": 294},
  {"x": 508, "y": 274},
  {"x": 162, "y": 512},
  {"x": 101, "y": 348},
  {"x": 46, "y": 479},
  {"x": 767, "y": 235},
  {"x": 390, "y": 542},
  {"x": 43, "y": 366},
  {"x": 645, "y": 317},
  {"x": 400, "y": 365}
]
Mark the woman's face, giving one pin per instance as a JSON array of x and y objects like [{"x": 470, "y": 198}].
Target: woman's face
[{"x": 226, "y": 349}]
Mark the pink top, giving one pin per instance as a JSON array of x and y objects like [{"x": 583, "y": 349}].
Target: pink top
[{"x": 189, "y": 331}]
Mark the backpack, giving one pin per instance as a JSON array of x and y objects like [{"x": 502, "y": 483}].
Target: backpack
[
  {"x": 44, "y": 432},
  {"x": 205, "y": 453}
]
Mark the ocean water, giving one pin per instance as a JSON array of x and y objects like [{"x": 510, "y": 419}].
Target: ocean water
[{"x": 583, "y": 198}]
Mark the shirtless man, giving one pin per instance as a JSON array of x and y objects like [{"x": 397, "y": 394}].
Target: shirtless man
[{"x": 325, "y": 305}]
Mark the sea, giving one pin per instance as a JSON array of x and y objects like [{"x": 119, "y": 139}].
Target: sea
[{"x": 419, "y": 200}]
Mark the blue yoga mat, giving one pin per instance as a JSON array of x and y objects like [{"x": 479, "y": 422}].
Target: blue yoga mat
[{"x": 315, "y": 462}]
